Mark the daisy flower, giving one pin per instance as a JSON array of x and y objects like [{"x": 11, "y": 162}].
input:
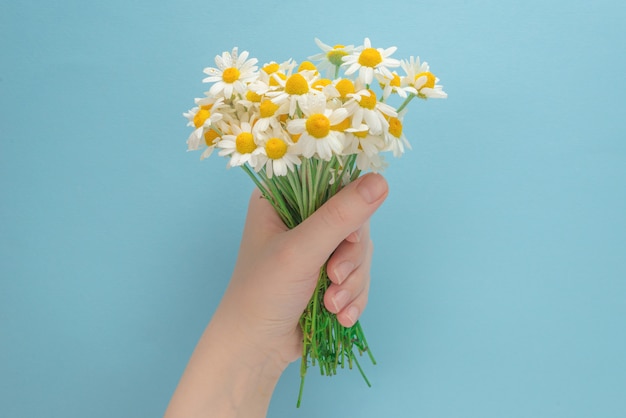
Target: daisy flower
[
  {"x": 206, "y": 112},
  {"x": 368, "y": 60},
  {"x": 250, "y": 101},
  {"x": 308, "y": 66},
  {"x": 269, "y": 75},
  {"x": 277, "y": 154},
  {"x": 269, "y": 114},
  {"x": 360, "y": 140},
  {"x": 393, "y": 85},
  {"x": 364, "y": 106},
  {"x": 331, "y": 57},
  {"x": 367, "y": 148},
  {"x": 207, "y": 139},
  {"x": 202, "y": 118},
  {"x": 232, "y": 74},
  {"x": 241, "y": 146},
  {"x": 375, "y": 163},
  {"x": 340, "y": 90},
  {"x": 315, "y": 127},
  {"x": 296, "y": 90},
  {"x": 395, "y": 138},
  {"x": 419, "y": 78}
]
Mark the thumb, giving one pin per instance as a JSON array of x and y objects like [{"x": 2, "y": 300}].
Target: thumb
[{"x": 320, "y": 234}]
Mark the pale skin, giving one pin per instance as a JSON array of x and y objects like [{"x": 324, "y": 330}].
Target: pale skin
[{"x": 254, "y": 333}]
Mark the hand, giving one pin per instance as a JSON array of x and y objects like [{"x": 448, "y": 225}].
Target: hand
[{"x": 256, "y": 324}]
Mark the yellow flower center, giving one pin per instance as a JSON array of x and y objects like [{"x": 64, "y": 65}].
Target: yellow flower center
[
  {"x": 202, "y": 115},
  {"x": 336, "y": 55},
  {"x": 321, "y": 83},
  {"x": 318, "y": 125},
  {"x": 369, "y": 101},
  {"x": 430, "y": 79},
  {"x": 210, "y": 137},
  {"x": 370, "y": 57},
  {"x": 345, "y": 86},
  {"x": 275, "y": 148},
  {"x": 307, "y": 65},
  {"x": 273, "y": 81},
  {"x": 360, "y": 134},
  {"x": 245, "y": 143},
  {"x": 268, "y": 108},
  {"x": 295, "y": 137},
  {"x": 342, "y": 126},
  {"x": 253, "y": 97},
  {"x": 296, "y": 84},
  {"x": 395, "y": 81},
  {"x": 395, "y": 127},
  {"x": 230, "y": 75},
  {"x": 271, "y": 68}
]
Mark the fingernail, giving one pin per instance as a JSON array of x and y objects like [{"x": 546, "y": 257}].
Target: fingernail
[
  {"x": 343, "y": 270},
  {"x": 340, "y": 299},
  {"x": 372, "y": 187},
  {"x": 352, "y": 314}
]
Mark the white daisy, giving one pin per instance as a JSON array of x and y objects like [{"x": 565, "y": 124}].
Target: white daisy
[
  {"x": 241, "y": 146},
  {"x": 364, "y": 107},
  {"x": 395, "y": 138},
  {"x": 375, "y": 162},
  {"x": 206, "y": 112},
  {"x": 340, "y": 90},
  {"x": 366, "y": 147},
  {"x": 325, "y": 86},
  {"x": 422, "y": 82},
  {"x": 277, "y": 154},
  {"x": 207, "y": 139},
  {"x": 269, "y": 114},
  {"x": 360, "y": 140},
  {"x": 368, "y": 60},
  {"x": 202, "y": 118},
  {"x": 232, "y": 74},
  {"x": 331, "y": 57},
  {"x": 315, "y": 127},
  {"x": 250, "y": 101},
  {"x": 393, "y": 85},
  {"x": 268, "y": 76},
  {"x": 296, "y": 90}
]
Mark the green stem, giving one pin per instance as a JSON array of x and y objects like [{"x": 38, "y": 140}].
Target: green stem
[
  {"x": 406, "y": 102},
  {"x": 326, "y": 343}
]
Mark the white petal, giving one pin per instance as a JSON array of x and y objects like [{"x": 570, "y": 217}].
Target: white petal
[
  {"x": 386, "y": 52},
  {"x": 352, "y": 68}
]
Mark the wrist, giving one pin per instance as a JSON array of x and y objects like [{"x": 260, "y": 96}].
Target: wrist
[
  {"x": 263, "y": 336},
  {"x": 225, "y": 377},
  {"x": 238, "y": 341}
]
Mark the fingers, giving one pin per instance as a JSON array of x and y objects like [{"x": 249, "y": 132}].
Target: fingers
[
  {"x": 348, "y": 297},
  {"x": 341, "y": 216},
  {"x": 349, "y": 255}
]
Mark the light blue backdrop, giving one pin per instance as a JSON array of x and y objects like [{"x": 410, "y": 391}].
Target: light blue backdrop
[{"x": 500, "y": 268}]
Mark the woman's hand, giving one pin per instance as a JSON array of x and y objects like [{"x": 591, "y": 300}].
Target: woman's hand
[{"x": 254, "y": 333}]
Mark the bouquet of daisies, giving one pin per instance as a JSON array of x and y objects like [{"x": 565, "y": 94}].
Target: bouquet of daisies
[{"x": 302, "y": 131}]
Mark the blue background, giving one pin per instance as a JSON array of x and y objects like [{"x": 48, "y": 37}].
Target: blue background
[{"x": 499, "y": 279}]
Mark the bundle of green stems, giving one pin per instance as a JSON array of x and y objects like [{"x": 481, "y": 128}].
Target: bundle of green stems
[{"x": 295, "y": 197}]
